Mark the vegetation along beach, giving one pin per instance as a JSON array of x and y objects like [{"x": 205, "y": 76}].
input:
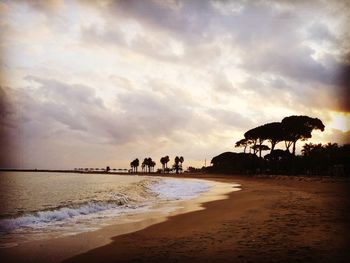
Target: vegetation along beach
[{"x": 174, "y": 131}]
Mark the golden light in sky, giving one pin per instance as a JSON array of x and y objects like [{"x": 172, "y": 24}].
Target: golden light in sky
[
  {"x": 91, "y": 83},
  {"x": 340, "y": 121}
]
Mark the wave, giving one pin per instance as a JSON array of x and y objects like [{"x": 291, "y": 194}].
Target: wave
[
  {"x": 179, "y": 189},
  {"x": 42, "y": 218},
  {"x": 106, "y": 203}
]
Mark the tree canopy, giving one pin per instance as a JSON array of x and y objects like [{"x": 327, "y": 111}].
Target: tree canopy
[
  {"x": 164, "y": 161},
  {"x": 178, "y": 163},
  {"x": 290, "y": 130},
  {"x": 300, "y": 128},
  {"x": 134, "y": 164}
]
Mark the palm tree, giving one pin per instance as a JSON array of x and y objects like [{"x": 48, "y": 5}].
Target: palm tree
[
  {"x": 167, "y": 159},
  {"x": 148, "y": 163},
  {"x": 132, "y": 166},
  {"x": 307, "y": 148},
  {"x": 153, "y": 163},
  {"x": 162, "y": 161},
  {"x": 136, "y": 164},
  {"x": 181, "y": 159},
  {"x": 176, "y": 164},
  {"x": 144, "y": 164}
]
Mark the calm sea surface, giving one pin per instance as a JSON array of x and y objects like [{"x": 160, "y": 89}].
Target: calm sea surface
[{"x": 35, "y": 205}]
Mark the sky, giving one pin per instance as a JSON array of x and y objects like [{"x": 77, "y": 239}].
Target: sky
[{"x": 97, "y": 83}]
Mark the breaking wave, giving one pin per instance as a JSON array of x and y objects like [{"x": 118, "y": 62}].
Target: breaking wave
[
  {"x": 133, "y": 198},
  {"x": 41, "y": 218}
]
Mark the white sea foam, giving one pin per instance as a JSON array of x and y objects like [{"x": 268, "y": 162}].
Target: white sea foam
[
  {"x": 42, "y": 218},
  {"x": 179, "y": 189},
  {"x": 77, "y": 216}
]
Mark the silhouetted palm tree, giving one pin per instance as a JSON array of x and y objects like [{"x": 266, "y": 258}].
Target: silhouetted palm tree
[
  {"x": 162, "y": 161},
  {"x": 136, "y": 164},
  {"x": 181, "y": 159},
  {"x": 176, "y": 164},
  {"x": 153, "y": 163},
  {"x": 144, "y": 164},
  {"x": 167, "y": 159}
]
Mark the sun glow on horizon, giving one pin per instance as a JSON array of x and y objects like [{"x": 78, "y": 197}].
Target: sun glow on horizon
[
  {"x": 340, "y": 121},
  {"x": 110, "y": 80}
]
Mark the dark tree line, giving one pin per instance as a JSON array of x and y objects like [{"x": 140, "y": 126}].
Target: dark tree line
[
  {"x": 327, "y": 158},
  {"x": 315, "y": 159},
  {"x": 134, "y": 164},
  {"x": 148, "y": 165},
  {"x": 290, "y": 130},
  {"x": 178, "y": 164}
]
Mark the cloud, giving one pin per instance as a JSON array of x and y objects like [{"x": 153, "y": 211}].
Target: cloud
[
  {"x": 222, "y": 84},
  {"x": 137, "y": 115},
  {"x": 320, "y": 32},
  {"x": 6, "y": 126},
  {"x": 344, "y": 84},
  {"x": 156, "y": 75},
  {"x": 230, "y": 118}
]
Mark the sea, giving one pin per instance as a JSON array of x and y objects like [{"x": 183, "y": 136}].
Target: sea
[{"x": 39, "y": 205}]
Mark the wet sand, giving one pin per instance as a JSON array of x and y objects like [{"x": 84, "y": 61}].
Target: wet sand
[{"x": 270, "y": 220}]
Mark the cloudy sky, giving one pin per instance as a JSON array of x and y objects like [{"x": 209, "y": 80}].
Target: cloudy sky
[{"x": 96, "y": 83}]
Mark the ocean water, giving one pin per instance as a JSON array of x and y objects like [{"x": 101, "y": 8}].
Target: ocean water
[{"x": 41, "y": 205}]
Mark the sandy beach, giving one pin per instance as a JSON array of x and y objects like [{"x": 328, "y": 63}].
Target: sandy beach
[{"x": 280, "y": 219}]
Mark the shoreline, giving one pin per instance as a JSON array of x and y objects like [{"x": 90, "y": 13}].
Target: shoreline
[
  {"x": 275, "y": 219},
  {"x": 57, "y": 249},
  {"x": 269, "y": 220}
]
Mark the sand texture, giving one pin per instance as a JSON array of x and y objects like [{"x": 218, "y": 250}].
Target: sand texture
[{"x": 270, "y": 220}]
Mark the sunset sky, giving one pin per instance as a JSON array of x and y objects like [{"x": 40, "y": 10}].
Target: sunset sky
[{"x": 96, "y": 83}]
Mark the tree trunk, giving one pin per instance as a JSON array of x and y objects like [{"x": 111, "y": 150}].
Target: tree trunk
[
  {"x": 294, "y": 143},
  {"x": 287, "y": 144},
  {"x": 273, "y": 144},
  {"x": 260, "y": 149}
]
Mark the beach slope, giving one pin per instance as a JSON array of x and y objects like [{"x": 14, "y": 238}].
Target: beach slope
[{"x": 271, "y": 220}]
